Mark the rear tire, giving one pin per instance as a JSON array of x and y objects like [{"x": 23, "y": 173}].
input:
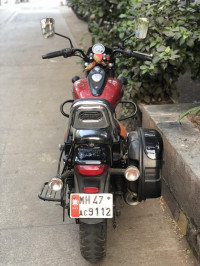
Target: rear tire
[{"x": 93, "y": 240}]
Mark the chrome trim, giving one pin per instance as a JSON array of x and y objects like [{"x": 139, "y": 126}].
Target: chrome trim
[{"x": 94, "y": 104}]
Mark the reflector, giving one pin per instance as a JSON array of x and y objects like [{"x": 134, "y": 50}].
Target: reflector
[{"x": 91, "y": 190}]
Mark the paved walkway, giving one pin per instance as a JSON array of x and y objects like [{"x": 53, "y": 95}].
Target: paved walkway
[{"x": 31, "y": 90}]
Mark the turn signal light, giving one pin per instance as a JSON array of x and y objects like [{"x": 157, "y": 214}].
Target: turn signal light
[
  {"x": 56, "y": 184},
  {"x": 132, "y": 173},
  {"x": 91, "y": 169}
]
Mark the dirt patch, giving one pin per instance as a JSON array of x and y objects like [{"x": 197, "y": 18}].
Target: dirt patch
[
  {"x": 159, "y": 102},
  {"x": 195, "y": 119}
]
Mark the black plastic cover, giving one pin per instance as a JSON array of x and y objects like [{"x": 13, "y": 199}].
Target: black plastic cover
[
  {"x": 97, "y": 88},
  {"x": 145, "y": 148},
  {"x": 75, "y": 78},
  {"x": 123, "y": 80}
]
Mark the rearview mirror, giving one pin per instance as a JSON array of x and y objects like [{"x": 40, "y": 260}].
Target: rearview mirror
[
  {"x": 141, "y": 28},
  {"x": 47, "y": 25}
]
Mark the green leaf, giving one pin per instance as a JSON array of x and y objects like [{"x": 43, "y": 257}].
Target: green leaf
[
  {"x": 144, "y": 71},
  {"x": 194, "y": 110},
  {"x": 167, "y": 50},
  {"x": 161, "y": 48},
  {"x": 190, "y": 43},
  {"x": 100, "y": 14},
  {"x": 188, "y": 251},
  {"x": 174, "y": 57},
  {"x": 182, "y": 41},
  {"x": 113, "y": 1},
  {"x": 156, "y": 59},
  {"x": 153, "y": 44},
  {"x": 123, "y": 16},
  {"x": 151, "y": 67},
  {"x": 121, "y": 35},
  {"x": 164, "y": 66},
  {"x": 160, "y": 20},
  {"x": 168, "y": 33},
  {"x": 143, "y": 67},
  {"x": 177, "y": 36}
]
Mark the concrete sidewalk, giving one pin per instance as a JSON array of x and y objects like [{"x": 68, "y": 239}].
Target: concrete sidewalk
[
  {"x": 7, "y": 12},
  {"x": 31, "y": 127}
]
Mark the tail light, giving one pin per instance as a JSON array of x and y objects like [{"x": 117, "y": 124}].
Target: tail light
[{"x": 91, "y": 169}]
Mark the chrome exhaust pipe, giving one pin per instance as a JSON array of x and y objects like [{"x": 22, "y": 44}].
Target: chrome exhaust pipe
[{"x": 131, "y": 198}]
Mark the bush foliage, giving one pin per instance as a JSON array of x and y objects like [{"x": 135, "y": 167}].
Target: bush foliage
[{"x": 173, "y": 39}]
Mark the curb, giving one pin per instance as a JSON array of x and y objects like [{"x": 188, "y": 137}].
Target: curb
[{"x": 181, "y": 169}]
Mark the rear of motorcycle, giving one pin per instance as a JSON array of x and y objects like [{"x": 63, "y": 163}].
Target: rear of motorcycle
[
  {"x": 93, "y": 132},
  {"x": 101, "y": 169}
]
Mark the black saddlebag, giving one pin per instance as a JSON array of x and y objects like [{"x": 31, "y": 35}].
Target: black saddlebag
[{"x": 145, "y": 150}]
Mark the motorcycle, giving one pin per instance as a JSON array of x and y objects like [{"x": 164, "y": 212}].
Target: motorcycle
[{"x": 103, "y": 165}]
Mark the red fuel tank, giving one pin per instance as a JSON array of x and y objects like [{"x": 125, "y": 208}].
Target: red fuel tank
[{"x": 112, "y": 91}]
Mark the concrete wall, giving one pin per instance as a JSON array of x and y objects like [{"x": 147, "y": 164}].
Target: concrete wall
[{"x": 181, "y": 175}]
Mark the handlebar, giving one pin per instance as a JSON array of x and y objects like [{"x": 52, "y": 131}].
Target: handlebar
[
  {"x": 52, "y": 55},
  {"x": 130, "y": 53},
  {"x": 73, "y": 52},
  {"x": 141, "y": 56},
  {"x": 65, "y": 53}
]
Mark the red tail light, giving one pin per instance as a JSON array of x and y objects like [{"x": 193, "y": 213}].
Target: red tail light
[
  {"x": 91, "y": 169},
  {"x": 91, "y": 190}
]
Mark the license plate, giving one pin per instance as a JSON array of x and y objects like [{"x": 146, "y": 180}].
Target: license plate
[{"x": 91, "y": 205}]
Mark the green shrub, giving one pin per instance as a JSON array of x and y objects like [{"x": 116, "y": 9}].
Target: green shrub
[{"x": 173, "y": 39}]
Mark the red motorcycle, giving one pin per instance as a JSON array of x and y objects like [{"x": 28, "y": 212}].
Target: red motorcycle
[{"x": 103, "y": 164}]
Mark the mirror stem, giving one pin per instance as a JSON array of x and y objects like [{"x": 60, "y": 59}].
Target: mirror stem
[
  {"x": 65, "y": 38},
  {"x": 133, "y": 34}
]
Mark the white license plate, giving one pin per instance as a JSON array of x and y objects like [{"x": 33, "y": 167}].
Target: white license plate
[{"x": 91, "y": 205}]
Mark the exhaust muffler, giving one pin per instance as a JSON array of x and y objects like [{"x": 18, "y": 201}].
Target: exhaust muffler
[{"x": 131, "y": 198}]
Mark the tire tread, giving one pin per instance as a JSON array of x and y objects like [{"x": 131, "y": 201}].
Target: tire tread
[{"x": 93, "y": 240}]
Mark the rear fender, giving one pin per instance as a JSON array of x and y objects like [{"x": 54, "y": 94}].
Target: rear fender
[{"x": 101, "y": 181}]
